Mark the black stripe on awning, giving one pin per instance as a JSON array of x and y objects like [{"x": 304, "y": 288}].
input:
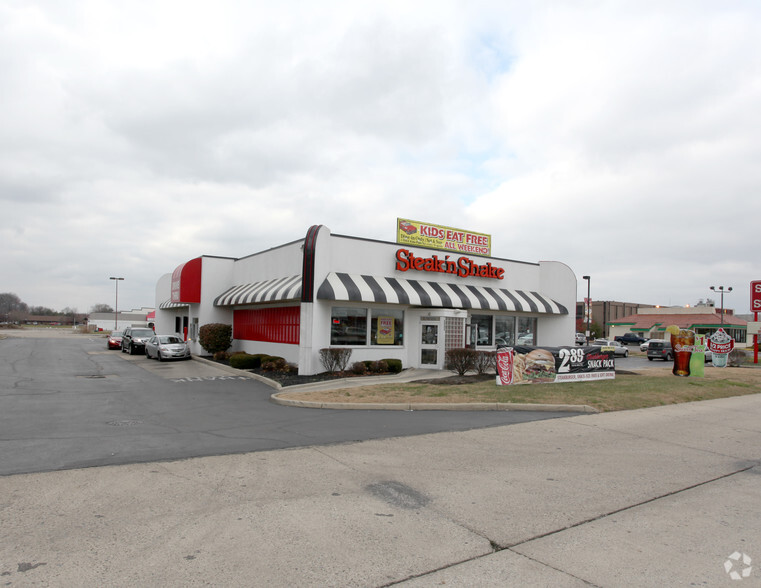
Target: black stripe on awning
[
  {"x": 364, "y": 288},
  {"x": 288, "y": 288}
]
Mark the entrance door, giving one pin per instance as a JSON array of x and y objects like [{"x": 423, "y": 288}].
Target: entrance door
[{"x": 431, "y": 345}]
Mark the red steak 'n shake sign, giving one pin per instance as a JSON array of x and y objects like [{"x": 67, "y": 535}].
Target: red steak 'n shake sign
[{"x": 463, "y": 267}]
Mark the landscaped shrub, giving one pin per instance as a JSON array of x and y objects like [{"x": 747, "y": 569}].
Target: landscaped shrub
[
  {"x": 221, "y": 356},
  {"x": 215, "y": 337},
  {"x": 460, "y": 360},
  {"x": 359, "y": 367},
  {"x": 393, "y": 365},
  {"x": 274, "y": 364},
  {"x": 381, "y": 367},
  {"x": 244, "y": 361},
  {"x": 485, "y": 361},
  {"x": 334, "y": 360}
]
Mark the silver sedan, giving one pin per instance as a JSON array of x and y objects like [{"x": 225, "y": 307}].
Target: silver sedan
[
  {"x": 618, "y": 349},
  {"x": 166, "y": 347}
]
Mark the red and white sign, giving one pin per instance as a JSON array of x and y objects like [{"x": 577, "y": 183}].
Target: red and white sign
[
  {"x": 505, "y": 366},
  {"x": 721, "y": 342},
  {"x": 755, "y": 296}
]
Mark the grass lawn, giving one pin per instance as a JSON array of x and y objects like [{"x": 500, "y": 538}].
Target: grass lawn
[{"x": 641, "y": 389}]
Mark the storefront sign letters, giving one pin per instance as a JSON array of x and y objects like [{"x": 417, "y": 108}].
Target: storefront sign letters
[{"x": 463, "y": 267}]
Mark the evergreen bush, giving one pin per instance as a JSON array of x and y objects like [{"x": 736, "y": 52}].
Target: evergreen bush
[
  {"x": 393, "y": 365},
  {"x": 215, "y": 337}
]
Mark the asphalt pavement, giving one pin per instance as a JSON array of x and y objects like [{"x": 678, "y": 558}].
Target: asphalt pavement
[
  {"x": 67, "y": 402},
  {"x": 665, "y": 496}
]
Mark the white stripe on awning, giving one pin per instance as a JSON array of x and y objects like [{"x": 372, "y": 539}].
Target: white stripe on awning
[
  {"x": 169, "y": 304},
  {"x": 267, "y": 291},
  {"x": 364, "y": 288}
]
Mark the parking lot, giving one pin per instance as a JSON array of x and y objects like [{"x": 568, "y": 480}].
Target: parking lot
[{"x": 68, "y": 402}]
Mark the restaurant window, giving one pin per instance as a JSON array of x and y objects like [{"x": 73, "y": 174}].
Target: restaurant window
[
  {"x": 355, "y": 326},
  {"x": 386, "y": 327},
  {"x": 348, "y": 326},
  {"x": 526, "y": 331},
  {"x": 504, "y": 330},
  {"x": 483, "y": 328}
]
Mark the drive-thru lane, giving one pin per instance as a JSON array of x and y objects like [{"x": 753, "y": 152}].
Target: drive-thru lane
[{"x": 67, "y": 402}]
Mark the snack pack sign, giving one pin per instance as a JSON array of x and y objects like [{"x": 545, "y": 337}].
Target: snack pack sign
[
  {"x": 720, "y": 344},
  {"x": 539, "y": 365},
  {"x": 410, "y": 232}
]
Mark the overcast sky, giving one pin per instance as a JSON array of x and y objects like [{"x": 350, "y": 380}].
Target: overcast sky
[{"x": 621, "y": 138}]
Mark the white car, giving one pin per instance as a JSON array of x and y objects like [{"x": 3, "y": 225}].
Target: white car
[
  {"x": 580, "y": 338},
  {"x": 618, "y": 348},
  {"x": 166, "y": 347}
]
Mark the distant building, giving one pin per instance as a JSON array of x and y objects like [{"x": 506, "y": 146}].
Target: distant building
[
  {"x": 651, "y": 322},
  {"x": 605, "y": 311},
  {"x": 107, "y": 321}
]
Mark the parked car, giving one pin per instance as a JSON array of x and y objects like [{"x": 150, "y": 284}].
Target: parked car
[
  {"x": 618, "y": 348},
  {"x": 580, "y": 338},
  {"x": 115, "y": 340},
  {"x": 630, "y": 338},
  {"x": 644, "y": 346},
  {"x": 134, "y": 339},
  {"x": 660, "y": 349},
  {"x": 167, "y": 347}
]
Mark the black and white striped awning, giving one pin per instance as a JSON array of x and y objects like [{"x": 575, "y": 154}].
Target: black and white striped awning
[
  {"x": 362, "y": 288},
  {"x": 169, "y": 304},
  {"x": 258, "y": 292}
]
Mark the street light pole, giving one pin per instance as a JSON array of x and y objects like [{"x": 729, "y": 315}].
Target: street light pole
[
  {"x": 588, "y": 304},
  {"x": 721, "y": 291},
  {"x": 116, "y": 303}
]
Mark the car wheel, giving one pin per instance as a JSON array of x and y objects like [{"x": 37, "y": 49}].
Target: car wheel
[
  {"x": 668, "y": 357},
  {"x": 131, "y": 349},
  {"x": 649, "y": 359},
  {"x": 626, "y": 353},
  {"x": 158, "y": 356}
]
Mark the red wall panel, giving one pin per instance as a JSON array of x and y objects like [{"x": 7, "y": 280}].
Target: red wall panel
[{"x": 272, "y": 325}]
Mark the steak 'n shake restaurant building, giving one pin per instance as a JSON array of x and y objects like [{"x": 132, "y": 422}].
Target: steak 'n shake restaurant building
[{"x": 381, "y": 299}]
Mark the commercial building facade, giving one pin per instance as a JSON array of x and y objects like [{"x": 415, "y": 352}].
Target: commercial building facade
[
  {"x": 652, "y": 322},
  {"x": 380, "y": 299}
]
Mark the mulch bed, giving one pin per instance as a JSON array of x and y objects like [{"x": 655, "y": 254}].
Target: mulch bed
[{"x": 287, "y": 379}]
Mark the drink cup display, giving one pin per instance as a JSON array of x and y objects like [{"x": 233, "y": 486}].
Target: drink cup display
[
  {"x": 720, "y": 360},
  {"x": 682, "y": 344}
]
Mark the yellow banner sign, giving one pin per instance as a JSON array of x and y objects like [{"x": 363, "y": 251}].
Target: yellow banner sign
[{"x": 410, "y": 232}]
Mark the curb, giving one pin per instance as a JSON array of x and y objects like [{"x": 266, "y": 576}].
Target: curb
[
  {"x": 410, "y": 406},
  {"x": 237, "y": 372}
]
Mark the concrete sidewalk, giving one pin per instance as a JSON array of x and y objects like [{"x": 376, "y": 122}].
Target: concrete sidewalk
[{"x": 654, "y": 497}]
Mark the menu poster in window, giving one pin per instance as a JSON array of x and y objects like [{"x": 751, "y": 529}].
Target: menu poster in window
[{"x": 385, "y": 330}]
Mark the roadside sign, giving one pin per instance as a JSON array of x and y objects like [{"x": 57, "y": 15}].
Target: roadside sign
[{"x": 755, "y": 296}]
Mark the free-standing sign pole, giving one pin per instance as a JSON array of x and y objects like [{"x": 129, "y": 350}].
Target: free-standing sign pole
[{"x": 755, "y": 306}]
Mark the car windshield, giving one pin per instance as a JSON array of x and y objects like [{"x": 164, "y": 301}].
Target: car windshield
[
  {"x": 142, "y": 333},
  {"x": 169, "y": 339}
]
